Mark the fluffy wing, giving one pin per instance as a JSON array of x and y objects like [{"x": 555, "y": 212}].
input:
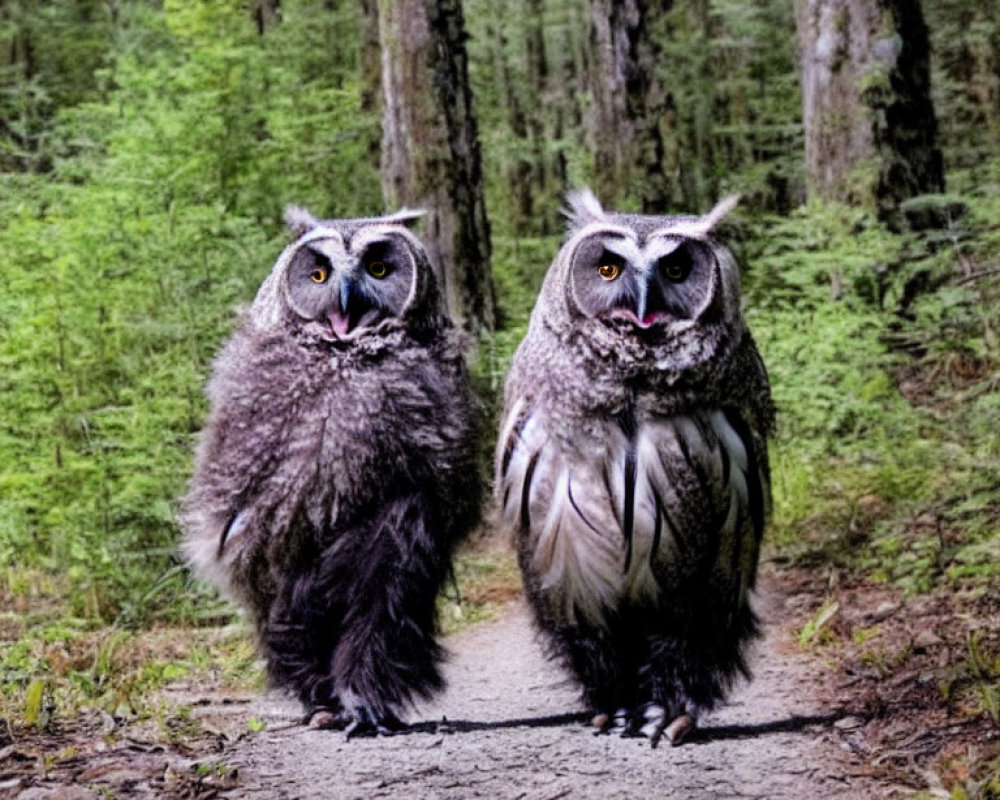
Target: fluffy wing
[
  {"x": 240, "y": 448},
  {"x": 650, "y": 509}
]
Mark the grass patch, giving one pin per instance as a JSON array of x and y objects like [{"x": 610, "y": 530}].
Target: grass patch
[
  {"x": 486, "y": 579},
  {"x": 58, "y": 671}
]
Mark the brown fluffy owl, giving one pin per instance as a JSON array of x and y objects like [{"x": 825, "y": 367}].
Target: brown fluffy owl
[
  {"x": 632, "y": 465},
  {"x": 338, "y": 468}
]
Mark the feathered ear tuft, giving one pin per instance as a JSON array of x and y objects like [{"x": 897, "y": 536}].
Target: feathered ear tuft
[
  {"x": 405, "y": 216},
  {"x": 299, "y": 220},
  {"x": 701, "y": 227},
  {"x": 720, "y": 211},
  {"x": 582, "y": 208}
]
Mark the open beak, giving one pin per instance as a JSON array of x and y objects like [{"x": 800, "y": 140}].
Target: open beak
[
  {"x": 340, "y": 315},
  {"x": 350, "y": 310}
]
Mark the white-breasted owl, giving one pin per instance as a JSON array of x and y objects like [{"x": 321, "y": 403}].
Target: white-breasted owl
[{"x": 632, "y": 465}]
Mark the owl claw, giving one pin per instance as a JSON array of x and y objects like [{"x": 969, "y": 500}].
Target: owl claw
[
  {"x": 364, "y": 724},
  {"x": 356, "y": 724},
  {"x": 324, "y": 718},
  {"x": 605, "y": 722},
  {"x": 648, "y": 722},
  {"x": 651, "y": 723},
  {"x": 679, "y": 728}
]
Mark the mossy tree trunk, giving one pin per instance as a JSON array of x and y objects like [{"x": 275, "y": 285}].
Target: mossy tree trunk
[
  {"x": 431, "y": 155},
  {"x": 628, "y": 103},
  {"x": 871, "y": 132}
]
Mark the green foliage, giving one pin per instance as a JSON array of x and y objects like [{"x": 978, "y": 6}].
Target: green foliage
[
  {"x": 122, "y": 269},
  {"x": 965, "y": 38},
  {"x": 53, "y": 51},
  {"x": 60, "y": 666},
  {"x": 814, "y": 627},
  {"x": 730, "y": 70},
  {"x": 884, "y": 367}
]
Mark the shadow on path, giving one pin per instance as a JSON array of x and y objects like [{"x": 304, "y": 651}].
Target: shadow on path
[{"x": 698, "y": 735}]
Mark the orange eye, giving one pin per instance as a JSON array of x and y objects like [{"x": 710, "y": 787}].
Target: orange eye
[
  {"x": 318, "y": 275},
  {"x": 608, "y": 271},
  {"x": 378, "y": 269}
]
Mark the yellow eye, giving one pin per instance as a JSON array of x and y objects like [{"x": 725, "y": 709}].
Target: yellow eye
[
  {"x": 318, "y": 275},
  {"x": 378, "y": 269},
  {"x": 608, "y": 271}
]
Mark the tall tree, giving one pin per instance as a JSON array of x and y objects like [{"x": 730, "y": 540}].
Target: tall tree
[
  {"x": 869, "y": 121},
  {"x": 965, "y": 38},
  {"x": 518, "y": 171},
  {"x": 628, "y": 103},
  {"x": 431, "y": 155},
  {"x": 370, "y": 57},
  {"x": 50, "y": 57},
  {"x": 266, "y": 14}
]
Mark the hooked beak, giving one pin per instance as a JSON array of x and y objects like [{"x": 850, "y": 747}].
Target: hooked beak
[
  {"x": 351, "y": 309},
  {"x": 340, "y": 313},
  {"x": 650, "y": 305}
]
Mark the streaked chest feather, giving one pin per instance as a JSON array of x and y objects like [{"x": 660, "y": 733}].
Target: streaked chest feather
[{"x": 605, "y": 519}]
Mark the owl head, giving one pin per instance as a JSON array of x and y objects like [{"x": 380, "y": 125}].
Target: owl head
[
  {"x": 650, "y": 287},
  {"x": 340, "y": 280}
]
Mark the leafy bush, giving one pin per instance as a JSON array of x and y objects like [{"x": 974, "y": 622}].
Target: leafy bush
[{"x": 122, "y": 270}]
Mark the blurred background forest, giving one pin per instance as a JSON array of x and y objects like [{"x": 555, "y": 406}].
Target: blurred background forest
[{"x": 148, "y": 147}]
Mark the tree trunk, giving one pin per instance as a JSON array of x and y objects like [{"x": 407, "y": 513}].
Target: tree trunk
[
  {"x": 266, "y": 13},
  {"x": 369, "y": 58},
  {"x": 870, "y": 128},
  {"x": 628, "y": 103},
  {"x": 518, "y": 173},
  {"x": 966, "y": 43},
  {"x": 693, "y": 114},
  {"x": 538, "y": 83},
  {"x": 430, "y": 148}
]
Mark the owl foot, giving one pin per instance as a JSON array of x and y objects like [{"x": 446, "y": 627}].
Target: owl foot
[
  {"x": 364, "y": 724},
  {"x": 678, "y": 730},
  {"x": 325, "y": 718},
  {"x": 652, "y": 722},
  {"x": 605, "y": 722}
]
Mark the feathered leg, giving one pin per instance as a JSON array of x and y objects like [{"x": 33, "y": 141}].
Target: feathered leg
[
  {"x": 600, "y": 665},
  {"x": 390, "y": 571},
  {"x": 297, "y": 635},
  {"x": 690, "y": 673}
]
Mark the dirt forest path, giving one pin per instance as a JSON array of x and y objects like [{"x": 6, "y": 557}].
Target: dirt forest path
[{"x": 516, "y": 732}]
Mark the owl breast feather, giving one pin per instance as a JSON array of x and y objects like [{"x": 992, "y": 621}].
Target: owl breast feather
[
  {"x": 631, "y": 514},
  {"x": 302, "y": 444}
]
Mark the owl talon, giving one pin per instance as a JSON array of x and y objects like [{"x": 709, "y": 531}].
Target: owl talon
[
  {"x": 605, "y": 722},
  {"x": 324, "y": 718},
  {"x": 364, "y": 724},
  {"x": 678, "y": 730},
  {"x": 633, "y": 727},
  {"x": 651, "y": 722}
]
